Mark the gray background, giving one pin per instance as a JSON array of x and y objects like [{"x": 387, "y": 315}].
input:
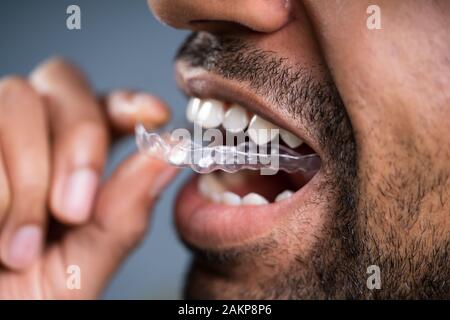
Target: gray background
[{"x": 120, "y": 45}]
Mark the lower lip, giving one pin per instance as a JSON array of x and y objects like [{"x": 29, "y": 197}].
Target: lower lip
[{"x": 209, "y": 225}]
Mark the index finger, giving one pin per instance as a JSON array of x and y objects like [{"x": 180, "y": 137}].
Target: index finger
[{"x": 80, "y": 138}]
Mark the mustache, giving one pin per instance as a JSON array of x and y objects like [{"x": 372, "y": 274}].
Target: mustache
[{"x": 307, "y": 94}]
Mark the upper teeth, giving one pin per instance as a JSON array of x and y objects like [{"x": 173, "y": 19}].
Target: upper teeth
[
  {"x": 211, "y": 113},
  {"x": 192, "y": 109},
  {"x": 236, "y": 119},
  {"x": 291, "y": 140},
  {"x": 261, "y": 131}
]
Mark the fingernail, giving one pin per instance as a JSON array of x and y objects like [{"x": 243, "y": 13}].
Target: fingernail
[
  {"x": 149, "y": 111},
  {"x": 162, "y": 180},
  {"x": 25, "y": 246},
  {"x": 79, "y": 194}
]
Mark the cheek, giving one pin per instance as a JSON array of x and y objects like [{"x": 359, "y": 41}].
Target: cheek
[{"x": 403, "y": 179}]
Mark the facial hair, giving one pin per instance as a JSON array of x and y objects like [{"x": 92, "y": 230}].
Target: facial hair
[{"x": 337, "y": 266}]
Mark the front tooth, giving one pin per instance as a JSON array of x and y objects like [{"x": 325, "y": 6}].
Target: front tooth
[
  {"x": 284, "y": 195},
  {"x": 231, "y": 198},
  {"x": 236, "y": 119},
  {"x": 210, "y": 187},
  {"x": 210, "y": 114},
  {"x": 193, "y": 108},
  {"x": 254, "y": 199},
  {"x": 291, "y": 140},
  {"x": 261, "y": 131}
]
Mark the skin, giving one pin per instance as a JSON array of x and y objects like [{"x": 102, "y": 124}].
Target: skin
[
  {"x": 53, "y": 118},
  {"x": 385, "y": 197},
  {"x": 385, "y": 200}
]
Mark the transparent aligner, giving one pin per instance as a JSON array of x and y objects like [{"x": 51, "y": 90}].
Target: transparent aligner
[{"x": 184, "y": 152}]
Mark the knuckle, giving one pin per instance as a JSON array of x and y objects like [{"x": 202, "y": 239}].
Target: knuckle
[
  {"x": 13, "y": 83},
  {"x": 49, "y": 66},
  {"x": 14, "y": 89},
  {"x": 53, "y": 71}
]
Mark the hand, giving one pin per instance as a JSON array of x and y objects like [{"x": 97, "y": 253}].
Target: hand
[{"x": 54, "y": 209}]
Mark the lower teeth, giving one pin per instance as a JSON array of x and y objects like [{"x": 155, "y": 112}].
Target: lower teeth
[{"x": 214, "y": 188}]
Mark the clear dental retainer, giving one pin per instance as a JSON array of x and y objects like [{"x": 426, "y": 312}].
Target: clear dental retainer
[{"x": 179, "y": 149}]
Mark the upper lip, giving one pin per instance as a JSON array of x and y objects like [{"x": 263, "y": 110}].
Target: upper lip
[{"x": 200, "y": 83}]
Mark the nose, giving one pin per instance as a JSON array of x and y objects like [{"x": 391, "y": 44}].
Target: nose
[{"x": 209, "y": 15}]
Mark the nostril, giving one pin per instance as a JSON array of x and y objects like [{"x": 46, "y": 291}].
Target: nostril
[{"x": 219, "y": 27}]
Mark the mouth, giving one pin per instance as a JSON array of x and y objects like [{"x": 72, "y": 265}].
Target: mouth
[{"x": 224, "y": 210}]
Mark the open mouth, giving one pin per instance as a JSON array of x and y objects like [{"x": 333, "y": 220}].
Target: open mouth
[
  {"x": 221, "y": 209},
  {"x": 246, "y": 187}
]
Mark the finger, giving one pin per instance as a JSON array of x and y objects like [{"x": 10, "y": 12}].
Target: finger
[
  {"x": 120, "y": 221},
  {"x": 80, "y": 139},
  {"x": 126, "y": 108},
  {"x": 24, "y": 143},
  {"x": 5, "y": 193},
  {"x": 125, "y": 214}
]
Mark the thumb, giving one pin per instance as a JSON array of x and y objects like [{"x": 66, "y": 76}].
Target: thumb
[
  {"x": 124, "y": 202},
  {"x": 119, "y": 223},
  {"x": 126, "y": 108}
]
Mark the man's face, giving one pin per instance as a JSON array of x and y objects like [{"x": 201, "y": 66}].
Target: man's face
[{"x": 375, "y": 106}]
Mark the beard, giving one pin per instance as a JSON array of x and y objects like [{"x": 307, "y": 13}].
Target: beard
[{"x": 336, "y": 266}]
